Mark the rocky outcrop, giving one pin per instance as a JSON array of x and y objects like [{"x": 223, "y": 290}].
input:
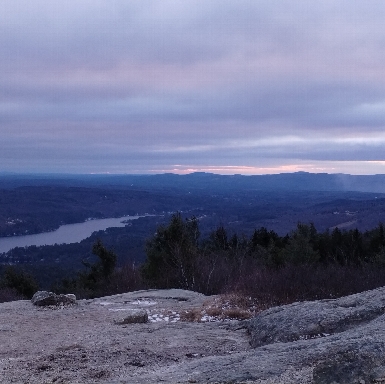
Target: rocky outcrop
[
  {"x": 315, "y": 319},
  {"x": 347, "y": 335},
  {"x": 44, "y": 298},
  {"x": 133, "y": 316},
  {"x": 322, "y": 342}
]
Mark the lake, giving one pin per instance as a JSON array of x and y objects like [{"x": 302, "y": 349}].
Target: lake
[{"x": 66, "y": 234}]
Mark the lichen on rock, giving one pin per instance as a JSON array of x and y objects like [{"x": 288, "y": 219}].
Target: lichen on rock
[{"x": 45, "y": 298}]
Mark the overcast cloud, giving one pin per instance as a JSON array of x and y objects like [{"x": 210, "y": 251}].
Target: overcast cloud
[{"x": 152, "y": 86}]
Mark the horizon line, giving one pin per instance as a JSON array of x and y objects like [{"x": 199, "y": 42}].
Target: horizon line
[{"x": 10, "y": 173}]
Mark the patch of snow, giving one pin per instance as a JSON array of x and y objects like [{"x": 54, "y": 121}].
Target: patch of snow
[
  {"x": 168, "y": 318},
  {"x": 144, "y": 302},
  {"x": 207, "y": 318}
]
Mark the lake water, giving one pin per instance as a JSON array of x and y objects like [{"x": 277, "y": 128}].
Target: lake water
[{"x": 66, "y": 234}]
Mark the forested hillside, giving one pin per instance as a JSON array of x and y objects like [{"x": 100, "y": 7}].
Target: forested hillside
[{"x": 248, "y": 237}]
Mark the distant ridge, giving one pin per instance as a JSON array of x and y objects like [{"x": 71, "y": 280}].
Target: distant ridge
[{"x": 298, "y": 181}]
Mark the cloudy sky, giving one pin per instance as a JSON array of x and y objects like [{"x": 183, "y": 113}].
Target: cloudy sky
[{"x": 152, "y": 86}]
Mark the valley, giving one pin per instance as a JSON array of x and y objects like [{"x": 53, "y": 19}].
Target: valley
[{"x": 34, "y": 205}]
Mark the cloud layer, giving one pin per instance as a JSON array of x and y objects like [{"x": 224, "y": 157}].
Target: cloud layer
[{"x": 149, "y": 86}]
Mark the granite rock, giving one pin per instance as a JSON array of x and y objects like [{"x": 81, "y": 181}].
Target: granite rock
[
  {"x": 133, "y": 316},
  {"x": 44, "y": 298}
]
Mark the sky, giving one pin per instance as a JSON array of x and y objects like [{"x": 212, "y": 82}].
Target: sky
[{"x": 154, "y": 86}]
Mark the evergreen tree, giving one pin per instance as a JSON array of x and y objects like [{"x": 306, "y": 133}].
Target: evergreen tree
[
  {"x": 19, "y": 280},
  {"x": 172, "y": 254},
  {"x": 301, "y": 247},
  {"x": 99, "y": 272}
]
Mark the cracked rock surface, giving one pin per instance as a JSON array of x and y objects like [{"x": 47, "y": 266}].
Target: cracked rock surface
[
  {"x": 84, "y": 342},
  {"x": 322, "y": 342},
  {"x": 306, "y": 320}
]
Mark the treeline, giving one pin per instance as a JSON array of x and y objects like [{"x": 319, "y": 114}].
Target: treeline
[
  {"x": 100, "y": 276},
  {"x": 51, "y": 263},
  {"x": 303, "y": 265},
  {"x": 16, "y": 284}
]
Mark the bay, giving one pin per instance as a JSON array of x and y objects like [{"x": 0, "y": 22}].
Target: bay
[{"x": 65, "y": 234}]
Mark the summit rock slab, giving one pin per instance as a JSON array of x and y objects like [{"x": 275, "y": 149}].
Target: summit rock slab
[
  {"x": 313, "y": 319},
  {"x": 339, "y": 341}
]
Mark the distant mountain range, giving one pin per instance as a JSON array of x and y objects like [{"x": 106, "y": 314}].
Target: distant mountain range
[{"x": 298, "y": 181}]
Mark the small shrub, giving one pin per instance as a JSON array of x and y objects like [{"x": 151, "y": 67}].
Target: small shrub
[
  {"x": 238, "y": 300},
  {"x": 236, "y": 314},
  {"x": 20, "y": 281},
  {"x": 214, "y": 311},
  {"x": 192, "y": 315},
  {"x": 9, "y": 294}
]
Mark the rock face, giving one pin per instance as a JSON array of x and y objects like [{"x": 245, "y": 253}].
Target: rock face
[
  {"x": 314, "y": 319},
  {"x": 354, "y": 354},
  {"x": 322, "y": 342},
  {"x": 44, "y": 298},
  {"x": 338, "y": 341}
]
